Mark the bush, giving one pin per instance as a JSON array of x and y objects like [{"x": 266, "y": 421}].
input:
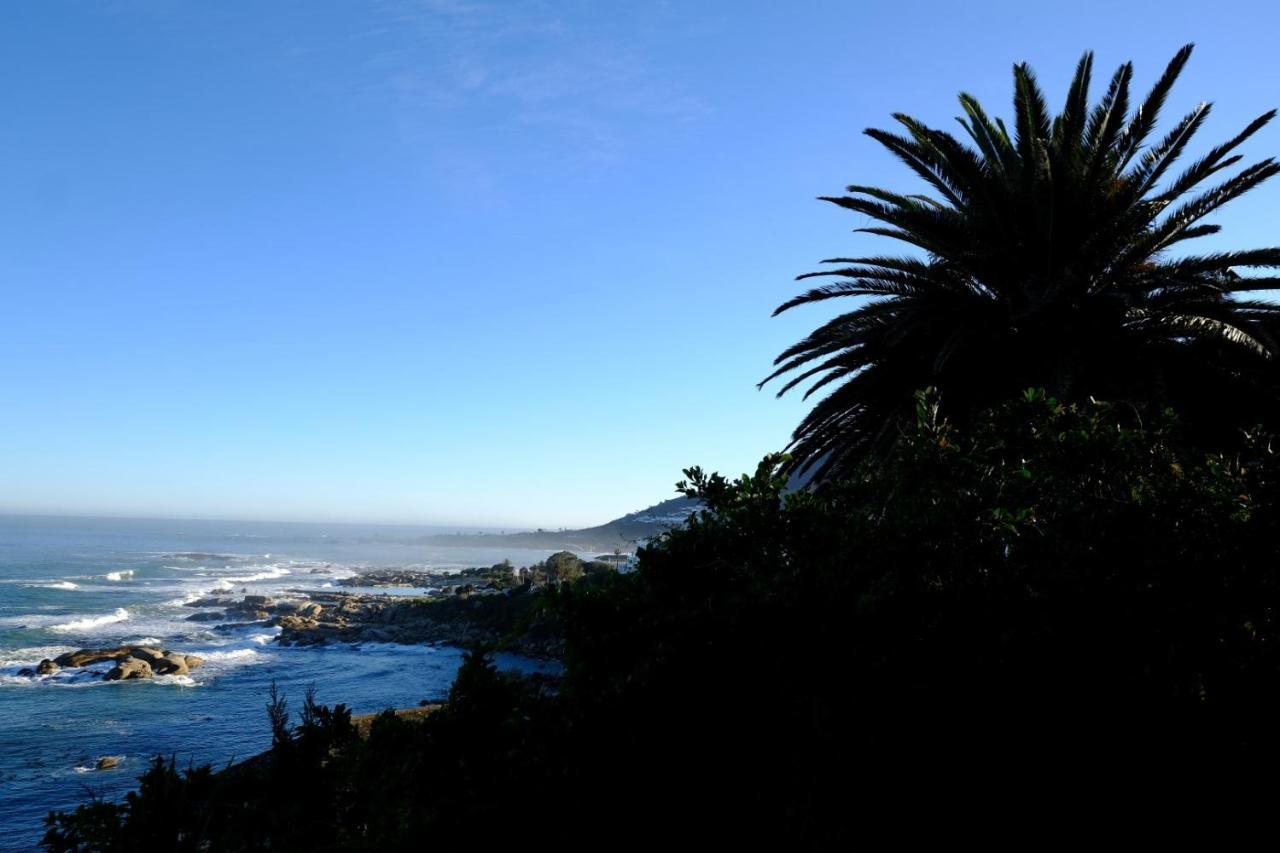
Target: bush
[{"x": 1057, "y": 587}]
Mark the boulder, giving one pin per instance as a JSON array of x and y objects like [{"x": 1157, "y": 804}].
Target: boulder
[
  {"x": 84, "y": 657},
  {"x": 208, "y": 616},
  {"x": 129, "y": 669},
  {"x": 107, "y": 762},
  {"x": 211, "y": 601},
  {"x": 193, "y": 661},
  {"x": 171, "y": 664},
  {"x": 148, "y": 654},
  {"x": 47, "y": 667},
  {"x": 310, "y": 611},
  {"x": 295, "y": 623}
]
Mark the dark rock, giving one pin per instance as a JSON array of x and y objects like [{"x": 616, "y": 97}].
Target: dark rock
[
  {"x": 211, "y": 601},
  {"x": 108, "y": 762},
  {"x": 84, "y": 657},
  {"x": 47, "y": 667},
  {"x": 295, "y": 623},
  {"x": 209, "y": 616},
  {"x": 148, "y": 654}
]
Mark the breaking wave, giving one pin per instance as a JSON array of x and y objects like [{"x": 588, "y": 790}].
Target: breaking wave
[
  {"x": 271, "y": 573},
  {"x": 90, "y": 622}
]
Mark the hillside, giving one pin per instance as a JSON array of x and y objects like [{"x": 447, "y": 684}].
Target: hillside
[{"x": 619, "y": 534}]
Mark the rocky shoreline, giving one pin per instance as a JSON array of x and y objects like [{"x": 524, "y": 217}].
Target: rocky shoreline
[{"x": 469, "y": 614}]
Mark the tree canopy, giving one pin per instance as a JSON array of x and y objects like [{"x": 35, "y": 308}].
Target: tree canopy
[{"x": 1043, "y": 256}]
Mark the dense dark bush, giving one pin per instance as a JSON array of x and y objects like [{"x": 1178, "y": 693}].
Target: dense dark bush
[{"x": 1057, "y": 588}]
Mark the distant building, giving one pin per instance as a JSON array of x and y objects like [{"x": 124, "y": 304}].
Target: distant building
[{"x": 623, "y": 563}]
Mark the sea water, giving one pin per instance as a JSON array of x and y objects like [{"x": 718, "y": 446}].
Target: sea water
[{"x": 68, "y": 583}]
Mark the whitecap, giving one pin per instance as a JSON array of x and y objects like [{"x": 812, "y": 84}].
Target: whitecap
[
  {"x": 17, "y": 679},
  {"x": 90, "y": 622},
  {"x": 32, "y": 655},
  {"x": 237, "y": 654},
  {"x": 120, "y": 575},
  {"x": 271, "y": 573},
  {"x": 53, "y": 585}
]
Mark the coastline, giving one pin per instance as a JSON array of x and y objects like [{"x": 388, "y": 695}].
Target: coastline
[{"x": 476, "y": 607}]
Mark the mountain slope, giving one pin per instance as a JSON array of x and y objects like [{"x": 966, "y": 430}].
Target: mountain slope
[{"x": 620, "y": 534}]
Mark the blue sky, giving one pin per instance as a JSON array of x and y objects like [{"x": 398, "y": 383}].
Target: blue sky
[{"x": 464, "y": 261}]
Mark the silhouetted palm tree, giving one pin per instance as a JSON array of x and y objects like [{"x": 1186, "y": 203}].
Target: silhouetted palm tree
[{"x": 1046, "y": 262}]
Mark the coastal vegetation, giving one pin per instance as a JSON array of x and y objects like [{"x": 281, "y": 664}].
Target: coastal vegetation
[
  {"x": 1066, "y": 581},
  {"x": 1042, "y": 545}
]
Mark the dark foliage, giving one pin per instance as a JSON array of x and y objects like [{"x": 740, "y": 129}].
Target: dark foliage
[
  {"x": 1054, "y": 588},
  {"x": 1048, "y": 260}
]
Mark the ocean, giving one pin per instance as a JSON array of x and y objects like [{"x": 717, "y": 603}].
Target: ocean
[{"x": 68, "y": 583}]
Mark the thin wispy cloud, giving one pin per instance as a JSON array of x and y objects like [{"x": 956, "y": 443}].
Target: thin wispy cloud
[{"x": 577, "y": 87}]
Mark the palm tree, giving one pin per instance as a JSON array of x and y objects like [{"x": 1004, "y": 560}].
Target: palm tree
[{"x": 1045, "y": 260}]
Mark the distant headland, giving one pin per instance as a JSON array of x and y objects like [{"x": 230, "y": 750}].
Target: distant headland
[{"x": 620, "y": 534}]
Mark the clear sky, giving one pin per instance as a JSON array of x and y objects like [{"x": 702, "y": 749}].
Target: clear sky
[{"x": 469, "y": 261}]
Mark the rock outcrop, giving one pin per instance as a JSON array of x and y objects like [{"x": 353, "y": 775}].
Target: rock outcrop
[
  {"x": 130, "y": 668},
  {"x": 454, "y": 620},
  {"x": 130, "y": 662}
]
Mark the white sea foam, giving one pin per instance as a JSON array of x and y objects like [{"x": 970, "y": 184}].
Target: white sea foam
[
  {"x": 234, "y": 655},
  {"x": 90, "y": 622},
  {"x": 32, "y": 655},
  {"x": 53, "y": 585},
  {"x": 17, "y": 680},
  {"x": 223, "y": 586},
  {"x": 120, "y": 575},
  {"x": 271, "y": 573},
  {"x": 147, "y": 641},
  {"x": 263, "y": 639}
]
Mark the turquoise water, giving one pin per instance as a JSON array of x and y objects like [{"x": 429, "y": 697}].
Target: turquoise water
[{"x": 71, "y": 583}]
